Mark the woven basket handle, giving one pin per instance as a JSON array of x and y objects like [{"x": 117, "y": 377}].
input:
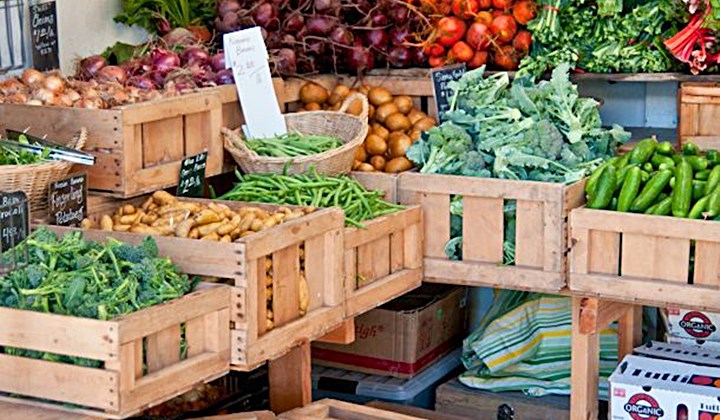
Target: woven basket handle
[
  {"x": 79, "y": 142},
  {"x": 351, "y": 98}
]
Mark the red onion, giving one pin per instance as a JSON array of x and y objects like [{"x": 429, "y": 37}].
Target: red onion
[
  {"x": 399, "y": 36},
  {"x": 266, "y": 15},
  {"x": 294, "y": 22},
  {"x": 228, "y": 6},
  {"x": 320, "y": 25},
  {"x": 142, "y": 82},
  {"x": 179, "y": 37},
  {"x": 288, "y": 40},
  {"x": 341, "y": 35},
  {"x": 398, "y": 56},
  {"x": 399, "y": 15},
  {"x": 195, "y": 55},
  {"x": 378, "y": 18},
  {"x": 164, "y": 61},
  {"x": 286, "y": 61},
  {"x": 361, "y": 59},
  {"x": 111, "y": 74},
  {"x": 376, "y": 38},
  {"x": 224, "y": 77},
  {"x": 217, "y": 62},
  {"x": 90, "y": 66}
]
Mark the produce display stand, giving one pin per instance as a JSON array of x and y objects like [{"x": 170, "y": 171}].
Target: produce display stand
[
  {"x": 339, "y": 410},
  {"x": 541, "y": 232},
  {"x": 698, "y": 108},
  {"x": 122, "y": 387}
]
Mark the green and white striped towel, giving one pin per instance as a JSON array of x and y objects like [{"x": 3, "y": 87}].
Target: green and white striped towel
[{"x": 524, "y": 344}]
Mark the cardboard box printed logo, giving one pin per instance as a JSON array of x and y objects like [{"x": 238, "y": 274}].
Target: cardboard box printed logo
[
  {"x": 643, "y": 407},
  {"x": 697, "y": 324}
]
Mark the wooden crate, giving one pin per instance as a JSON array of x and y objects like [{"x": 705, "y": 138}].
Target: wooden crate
[
  {"x": 242, "y": 264},
  {"x": 379, "y": 181},
  {"x": 699, "y": 114},
  {"x": 232, "y": 116},
  {"x": 339, "y": 410},
  {"x": 251, "y": 415},
  {"x": 150, "y": 337},
  {"x": 541, "y": 235},
  {"x": 645, "y": 259}
]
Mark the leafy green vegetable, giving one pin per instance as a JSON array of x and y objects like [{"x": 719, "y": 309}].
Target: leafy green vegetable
[
  {"x": 153, "y": 14},
  {"x": 12, "y": 156},
  {"x": 76, "y": 277}
]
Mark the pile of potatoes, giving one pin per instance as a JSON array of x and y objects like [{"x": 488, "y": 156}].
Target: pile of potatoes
[
  {"x": 394, "y": 121},
  {"x": 163, "y": 214}
]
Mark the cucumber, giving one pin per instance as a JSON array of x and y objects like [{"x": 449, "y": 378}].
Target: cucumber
[
  {"x": 682, "y": 192},
  {"x": 698, "y": 163},
  {"x": 698, "y": 209},
  {"x": 643, "y": 151},
  {"x": 665, "y": 148},
  {"x": 702, "y": 175},
  {"x": 591, "y": 183},
  {"x": 713, "y": 206},
  {"x": 713, "y": 180},
  {"x": 690, "y": 149},
  {"x": 657, "y": 160},
  {"x": 698, "y": 189},
  {"x": 713, "y": 156},
  {"x": 663, "y": 207},
  {"x": 605, "y": 189},
  {"x": 651, "y": 191},
  {"x": 630, "y": 189}
]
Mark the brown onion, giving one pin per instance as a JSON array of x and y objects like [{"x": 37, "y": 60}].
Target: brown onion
[
  {"x": 54, "y": 84},
  {"x": 43, "y": 95},
  {"x": 112, "y": 74},
  {"x": 32, "y": 77}
]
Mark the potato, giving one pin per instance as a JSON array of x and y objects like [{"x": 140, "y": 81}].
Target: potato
[
  {"x": 129, "y": 219},
  {"x": 379, "y": 96},
  {"x": 399, "y": 164},
  {"x": 364, "y": 89},
  {"x": 375, "y": 145},
  {"x": 163, "y": 198},
  {"x": 229, "y": 226},
  {"x": 339, "y": 93},
  {"x": 194, "y": 234},
  {"x": 144, "y": 229},
  {"x": 313, "y": 106},
  {"x": 121, "y": 228},
  {"x": 398, "y": 145},
  {"x": 128, "y": 209},
  {"x": 87, "y": 224},
  {"x": 416, "y": 115},
  {"x": 226, "y": 238},
  {"x": 414, "y": 135},
  {"x": 182, "y": 230},
  {"x": 256, "y": 225},
  {"x": 371, "y": 112},
  {"x": 304, "y": 294},
  {"x": 384, "y": 111},
  {"x": 380, "y": 130},
  {"x": 149, "y": 218},
  {"x": 378, "y": 162},
  {"x": 213, "y": 236},
  {"x": 312, "y": 92},
  {"x": 361, "y": 154},
  {"x": 356, "y": 162},
  {"x": 355, "y": 108},
  {"x": 209, "y": 228},
  {"x": 206, "y": 216},
  {"x": 146, "y": 205},
  {"x": 247, "y": 221},
  {"x": 404, "y": 103},
  {"x": 424, "y": 124},
  {"x": 397, "y": 121},
  {"x": 366, "y": 167}
]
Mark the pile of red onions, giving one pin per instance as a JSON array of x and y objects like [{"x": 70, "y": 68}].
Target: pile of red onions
[
  {"x": 161, "y": 68},
  {"x": 308, "y": 36}
]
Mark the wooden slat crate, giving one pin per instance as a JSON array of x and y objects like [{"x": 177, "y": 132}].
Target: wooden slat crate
[
  {"x": 232, "y": 116},
  {"x": 340, "y": 410},
  {"x": 150, "y": 337},
  {"x": 541, "y": 234},
  {"x": 242, "y": 263},
  {"x": 379, "y": 181},
  {"x": 699, "y": 114},
  {"x": 645, "y": 259}
]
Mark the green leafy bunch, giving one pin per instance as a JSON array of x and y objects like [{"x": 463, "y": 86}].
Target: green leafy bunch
[{"x": 152, "y": 15}]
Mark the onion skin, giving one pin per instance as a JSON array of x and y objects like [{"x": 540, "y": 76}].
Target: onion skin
[
  {"x": 89, "y": 66},
  {"x": 224, "y": 77},
  {"x": 32, "y": 77},
  {"x": 112, "y": 74},
  {"x": 217, "y": 61}
]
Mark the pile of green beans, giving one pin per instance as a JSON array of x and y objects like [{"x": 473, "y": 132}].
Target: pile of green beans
[
  {"x": 292, "y": 145},
  {"x": 314, "y": 190}
]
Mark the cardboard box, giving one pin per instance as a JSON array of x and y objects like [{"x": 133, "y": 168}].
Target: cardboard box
[
  {"x": 703, "y": 344},
  {"x": 404, "y": 336},
  {"x": 652, "y": 389},
  {"x": 695, "y": 325}
]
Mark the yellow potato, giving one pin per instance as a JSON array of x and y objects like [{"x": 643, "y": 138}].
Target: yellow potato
[
  {"x": 257, "y": 224},
  {"x": 226, "y": 238},
  {"x": 194, "y": 234},
  {"x": 163, "y": 198},
  {"x": 128, "y": 209},
  {"x": 87, "y": 224},
  {"x": 229, "y": 226},
  {"x": 146, "y": 205},
  {"x": 210, "y": 237},
  {"x": 121, "y": 228},
  {"x": 207, "y": 216},
  {"x": 129, "y": 219},
  {"x": 247, "y": 221},
  {"x": 304, "y": 295},
  {"x": 183, "y": 228},
  {"x": 149, "y": 218},
  {"x": 144, "y": 229},
  {"x": 209, "y": 228}
]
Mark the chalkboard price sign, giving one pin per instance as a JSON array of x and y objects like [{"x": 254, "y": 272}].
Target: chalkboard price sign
[
  {"x": 14, "y": 219},
  {"x": 192, "y": 176},
  {"x": 43, "y": 26},
  {"x": 67, "y": 201},
  {"x": 440, "y": 79}
]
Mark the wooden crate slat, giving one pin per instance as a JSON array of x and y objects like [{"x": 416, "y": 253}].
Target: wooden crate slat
[
  {"x": 397, "y": 251},
  {"x": 380, "y": 292},
  {"x": 507, "y": 277},
  {"x": 89, "y": 338},
  {"x": 661, "y": 258},
  {"x": 529, "y": 236},
  {"x": 195, "y": 336},
  {"x": 59, "y": 382},
  {"x": 315, "y": 270},
  {"x": 698, "y": 112},
  {"x": 555, "y": 234},
  {"x": 163, "y": 141},
  {"x": 437, "y": 223},
  {"x": 163, "y": 348},
  {"x": 707, "y": 263},
  {"x": 286, "y": 289},
  {"x": 381, "y": 256},
  {"x": 339, "y": 410},
  {"x": 604, "y": 256},
  {"x": 261, "y": 283},
  {"x": 483, "y": 233},
  {"x": 365, "y": 265}
]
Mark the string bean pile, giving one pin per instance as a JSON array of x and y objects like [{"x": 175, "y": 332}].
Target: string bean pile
[
  {"x": 313, "y": 189},
  {"x": 292, "y": 145}
]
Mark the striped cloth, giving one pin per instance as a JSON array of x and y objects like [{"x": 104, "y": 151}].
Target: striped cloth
[{"x": 524, "y": 344}]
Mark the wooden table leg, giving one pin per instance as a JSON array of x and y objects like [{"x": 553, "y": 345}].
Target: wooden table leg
[
  {"x": 585, "y": 369},
  {"x": 343, "y": 334},
  {"x": 290, "y": 379},
  {"x": 629, "y": 331}
]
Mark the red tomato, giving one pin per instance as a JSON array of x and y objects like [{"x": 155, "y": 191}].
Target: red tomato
[
  {"x": 522, "y": 41},
  {"x": 451, "y": 30},
  {"x": 484, "y": 17},
  {"x": 436, "y": 61},
  {"x": 462, "y": 52},
  {"x": 524, "y": 11},
  {"x": 503, "y": 28},
  {"x": 502, "y": 4},
  {"x": 506, "y": 58},
  {"x": 478, "y": 36},
  {"x": 465, "y": 9},
  {"x": 479, "y": 59},
  {"x": 434, "y": 50}
]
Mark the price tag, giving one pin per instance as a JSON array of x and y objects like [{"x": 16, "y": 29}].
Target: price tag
[
  {"x": 67, "y": 201},
  {"x": 246, "y": 54},
  {"x": 192, "y": 176},
  {"x": 442, "y": 93},
  {"x": 43, "y": 27},
  {"x": 14, "y": 219}
]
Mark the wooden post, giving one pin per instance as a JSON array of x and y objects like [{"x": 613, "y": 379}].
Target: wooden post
[
  {"x": 343, "y": 334},
  {"x": 289, "y": 379}
]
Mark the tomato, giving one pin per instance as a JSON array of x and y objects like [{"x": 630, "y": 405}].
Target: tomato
[
  {"x": 479, "y": 59},
  {"x": 434, "y": 50},
  {"x": 503, "y": 28},
  {"x": 506, "y": 58},
  {"x": 484, "y": 17},
  {"x": 522, "y": 41},
  {"x": 436, "y": 61},
  {"x": 478, "y": 36},
  {"x": 451, "y": 30},
  {"x": 502, "y": 4},
  {"x": 462, "y": 52},
  {"x": 524, "y": 11},
  {"x": 465, "y": 9}
]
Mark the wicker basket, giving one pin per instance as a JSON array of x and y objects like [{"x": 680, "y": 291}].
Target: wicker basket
[
  {"x": 351, "y": 130},
  {"x": 34, "y": 179}
]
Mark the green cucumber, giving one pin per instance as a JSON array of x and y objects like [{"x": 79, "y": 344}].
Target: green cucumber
[
  {"x": 630, "y": 189},
  {"x": 643, "y": 151},
  {"x": 690, "y": 149},
  {"x": 663, "y": 207},
  {"x": 713, "y": 156},
  {"x": 665, "y": 148},
  {"x": 605, "y": 189},
  {"x": 702, "y": 175},
  {"x": 657, "y": 160},
  {"x": 713, "y": 206},
  {"x": 698, "y": 163},
  {"x": 698, "y": 209},
  {"x": 713, "y": 180},
  {"x": 651, "y": 191},
  {"x": 682, "y": 192},
  {"x": 591, "y": 183},
  {"x": 698, "y": 189}
]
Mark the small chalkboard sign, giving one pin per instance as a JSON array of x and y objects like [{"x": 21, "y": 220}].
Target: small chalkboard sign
[
  {"x": 14, "y": 219},
  {"x": 43, "y": 26},
  {"x": 67, "y": 201},
  {"x": 440, "y": 79},
  {"x": 192, "y": 176}
]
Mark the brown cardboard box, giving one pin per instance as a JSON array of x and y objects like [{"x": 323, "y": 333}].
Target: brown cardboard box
[{"x": 403, "y": 336}]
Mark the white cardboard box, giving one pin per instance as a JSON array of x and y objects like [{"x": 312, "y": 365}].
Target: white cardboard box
[
  {"x": 652, "y": 389},
  {"x": 694, "y": 325},
  {"x": 703, "y": 344}
]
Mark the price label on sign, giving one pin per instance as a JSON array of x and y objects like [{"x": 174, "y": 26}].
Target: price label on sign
[
  {"x": 442, "y": 93},
  {"x": 67, "y": 201},
  {"x": 246, "y": 55},
  {"x": 192, "y": 176},
  {"x": 43, "y": 27},
  {"x": 14, "y": 219}
]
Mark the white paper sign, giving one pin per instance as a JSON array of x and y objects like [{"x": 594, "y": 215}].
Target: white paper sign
[{"x": 246, "y": 54}]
